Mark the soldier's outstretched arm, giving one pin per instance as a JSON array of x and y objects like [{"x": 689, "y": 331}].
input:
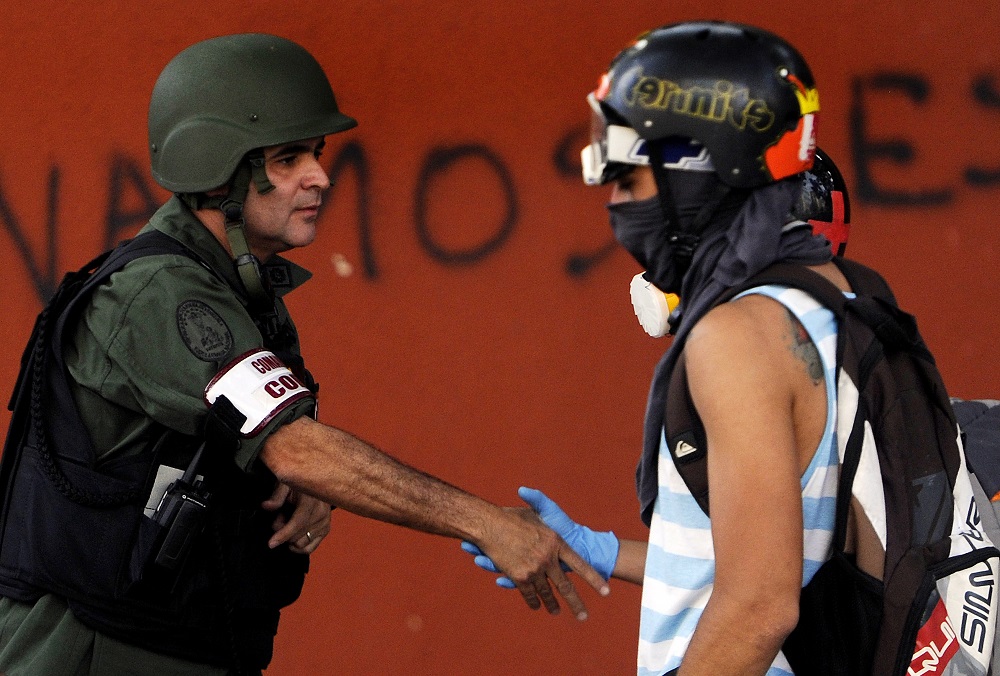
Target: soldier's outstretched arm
[{"x": 345, "y": 471}]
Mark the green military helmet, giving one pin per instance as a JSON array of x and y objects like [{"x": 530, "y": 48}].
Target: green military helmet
[{"x": 221, "y": 98}]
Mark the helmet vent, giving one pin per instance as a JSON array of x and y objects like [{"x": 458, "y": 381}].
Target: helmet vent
[{"x": 703, "y": 34}]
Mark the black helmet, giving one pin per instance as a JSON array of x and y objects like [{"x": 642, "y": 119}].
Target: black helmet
[
  {"x": 742, "y": 93},
  {"x": 221, "y": 98},
  {"x": 824, "y": 203}
]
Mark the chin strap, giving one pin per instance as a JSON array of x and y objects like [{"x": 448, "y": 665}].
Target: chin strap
[
  {"x": 682, "y": 243},
  {"x": 248, "y": 267},
  {"x": 687, "y": 242},
  {"x": 683, "y": 237}
]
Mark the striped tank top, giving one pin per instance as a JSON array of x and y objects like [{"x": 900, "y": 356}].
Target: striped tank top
[{"x": 680, "y": 560}]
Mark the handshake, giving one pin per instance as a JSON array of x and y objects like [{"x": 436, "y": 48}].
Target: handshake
[{"x": 599, "y": 549}]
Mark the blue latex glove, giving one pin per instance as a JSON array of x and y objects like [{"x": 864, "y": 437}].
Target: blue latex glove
[
  {"x": 599, "y": 549},
  {"x": 486, "y": 563}
]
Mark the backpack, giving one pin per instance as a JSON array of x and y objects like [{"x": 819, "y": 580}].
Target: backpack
[
  {"x": 910, "y": 589},
  {"x": 979, "y": 421}
]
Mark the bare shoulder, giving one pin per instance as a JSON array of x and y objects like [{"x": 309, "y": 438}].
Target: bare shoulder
[
  {"x": 750, "y": 324},
  {"x": 753, "y": 342}
]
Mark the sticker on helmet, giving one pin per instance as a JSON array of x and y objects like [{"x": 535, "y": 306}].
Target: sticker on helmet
[
  {"x": 686, "y": 155},
  {"x": 808, "y": 98},
  {"x": 837, "y": 230},
  {"x": 603, "y": 87},
  {"x": 204, "y": 332},
  {"x": 794, "y": 151},
  {"x": 722, "y": 103}
]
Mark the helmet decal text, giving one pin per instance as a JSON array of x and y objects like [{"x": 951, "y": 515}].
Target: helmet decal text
[{"x": 722, "y": 103}]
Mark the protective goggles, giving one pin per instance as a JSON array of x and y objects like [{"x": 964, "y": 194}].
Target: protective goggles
[{"x": 614, "y": 149}]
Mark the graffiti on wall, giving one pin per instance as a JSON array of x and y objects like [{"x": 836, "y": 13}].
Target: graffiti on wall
[
  {"x": 131, "y": 199},
  {"x": 868, "y": 148}
]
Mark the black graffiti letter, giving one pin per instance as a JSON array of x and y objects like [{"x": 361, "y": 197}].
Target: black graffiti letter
[
  {"x": 44, "y": 281},
  {"x": 866, "y": 150},
  {"x": 984, "y": 90},
  {"x": 353, "y": 156},
  {"x": 125, "y": 172},
  {"x": 439, "y": 161},
  {"x": 566, "y": 156},
  {"x": 566, "y": 159}
]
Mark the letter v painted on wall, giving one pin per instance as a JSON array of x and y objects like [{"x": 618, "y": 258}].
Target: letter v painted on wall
[
  {"x": 42, "y": 273},
  {"x": 43, "y": 267}
]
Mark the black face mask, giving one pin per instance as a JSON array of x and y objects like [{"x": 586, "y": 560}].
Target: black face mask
[
  {"x": 700, "y": 202},
  {"x": 642, "y": 230}
]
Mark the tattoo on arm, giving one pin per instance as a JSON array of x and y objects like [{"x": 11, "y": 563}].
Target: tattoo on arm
[{"x": 803, "y": 347}]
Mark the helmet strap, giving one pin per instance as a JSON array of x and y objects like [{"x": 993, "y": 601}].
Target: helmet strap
[
  {"x": 248, "y": 267},
  {"x": 682, "y": 242},
  {"x": 710, "y": 207},
  {"x": 683, "y": 237},
  {"x": 195, "y": 201},
  {"x": 258, "y": 171}
]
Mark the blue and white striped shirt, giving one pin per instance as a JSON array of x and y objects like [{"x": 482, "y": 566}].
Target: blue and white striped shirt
[{"x": 680, "y": 560}]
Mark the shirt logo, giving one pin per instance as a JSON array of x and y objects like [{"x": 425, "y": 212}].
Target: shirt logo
[{"x": 684, "y": 448}]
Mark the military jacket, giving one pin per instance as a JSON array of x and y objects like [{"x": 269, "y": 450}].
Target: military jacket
[{"x": 141, "y": 354}]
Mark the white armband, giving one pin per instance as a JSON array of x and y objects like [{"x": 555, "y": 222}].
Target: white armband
[{"x": 259, "y": 385}]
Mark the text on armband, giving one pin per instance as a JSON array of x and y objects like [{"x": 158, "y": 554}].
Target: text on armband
[
  {"x": 282, "y": 386},
  {"x": 268, "y": 363}
]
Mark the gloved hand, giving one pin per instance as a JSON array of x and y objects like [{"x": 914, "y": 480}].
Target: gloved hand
[{"x": 599, "y": 549}]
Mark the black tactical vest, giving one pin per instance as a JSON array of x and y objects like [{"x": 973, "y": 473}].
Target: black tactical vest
[{"x": 75, "y": 528}]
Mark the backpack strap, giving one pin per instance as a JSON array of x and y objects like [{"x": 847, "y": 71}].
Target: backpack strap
[
  {"x": 74, "y": 287},
  {"x": 152, "y": 243},
  {"x": 686, "y": 441}
]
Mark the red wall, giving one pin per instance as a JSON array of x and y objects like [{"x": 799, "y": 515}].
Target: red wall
[{"x": 465, "y": 347}]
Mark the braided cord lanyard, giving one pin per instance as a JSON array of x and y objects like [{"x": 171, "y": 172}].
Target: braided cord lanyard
[{"x": 51, "y": 466}]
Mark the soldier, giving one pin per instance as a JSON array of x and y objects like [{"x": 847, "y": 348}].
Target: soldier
[{"x": 164, "y": 478}]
